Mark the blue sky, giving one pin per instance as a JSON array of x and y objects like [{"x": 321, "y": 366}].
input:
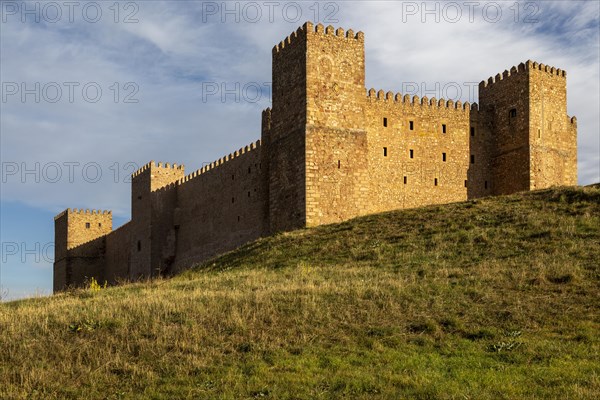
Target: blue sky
[{"x": 156, "y": 62}]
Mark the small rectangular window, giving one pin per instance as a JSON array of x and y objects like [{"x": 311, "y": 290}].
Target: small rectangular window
[
  {"x": 512, "y": 113},
  {"x": 339, "y": 164},
  {"x": 486, "y": 185},
  {"x": 385, "y": 122},
  {"x": 412, "y": 153},
  {"x": 248, "y": 169},
  {"x": 472, "y": 131},
  {"x": 385, "y": 151},
  {"x": 411, "y": 125},
  {"x": 233, "y": 199},
  {"x": 238, "y": 218},
  {"x": 472, "y": 159},
  {"x": 444, "y": 157},
  {"x": 248, "y": 194},
  {"x": 87, "y": 225},
  {"x": 139, "y": 245},
  {"x": 435, "y": 182},
  {"x": 405, "y": 180},
  {"x": 443, "y": 128},
  {"x": 99, "y": 225},
  {"x": 232, "y": 177},
  {"x": 465, "y": 183}
]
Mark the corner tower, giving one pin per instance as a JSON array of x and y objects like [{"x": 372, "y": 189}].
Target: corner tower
[
  {"x": 532, "y": 143},
  {"x": 79, "y": 246}
]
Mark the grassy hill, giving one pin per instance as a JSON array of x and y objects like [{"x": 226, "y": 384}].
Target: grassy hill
[{"x": 488, "y": 299}]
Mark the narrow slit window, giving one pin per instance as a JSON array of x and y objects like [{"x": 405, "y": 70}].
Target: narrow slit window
[
  {"x": 248, "y": 194},
  {"x": 444, "y": 157},
  {"x": 412, "y": 153},
  {"x": 385, "y": 122},
  {"x": 411, "y": 125},
  {"x": 232, "y": 177},
  {"x": 435, "y": 182},
  {"x": 339, "y": 164},
  {"x": 87, "y": 225},
  {"x": 405, "y": 180},
  {"x": 238, "y": 218},
  {"x": 512, "y": 113},
  {"x": 472, "y": 159},
  {"x": 233, "y": 199},
  {"x": 465, "y": 183},
  {"x": 139, "y": 245},
  {"x": 472, "y": 131},
  {"x": 99, "y": 225},
  {"x": 385, "y": 151},
  {"x": 443, "y": 128},
  {"x": 486, "y": 185},
  {"x": 249, "y": 170}
]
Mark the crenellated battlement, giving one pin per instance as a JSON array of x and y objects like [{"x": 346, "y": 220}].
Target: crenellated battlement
[
  {"x": 398, "y": 98},
  {"x": 523, "y": 68},
  {"x": 153, "y": 164},
  {"x": 309, "y": 28},
  {"x": 81, "y": 211},
  {"x": 213, "y": 165}
]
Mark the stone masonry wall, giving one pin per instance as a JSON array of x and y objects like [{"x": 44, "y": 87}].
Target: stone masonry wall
[{"x": 220, "y": 207}]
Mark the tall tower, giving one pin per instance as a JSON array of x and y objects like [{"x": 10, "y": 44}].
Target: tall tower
[
  {"x": 79, "y": 246},
  {"x": 317, "y": 139},
  {"x": 531, "y": 141}
]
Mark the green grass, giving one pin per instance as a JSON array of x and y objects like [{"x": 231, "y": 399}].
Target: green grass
[{"x": 491, "y": 299}]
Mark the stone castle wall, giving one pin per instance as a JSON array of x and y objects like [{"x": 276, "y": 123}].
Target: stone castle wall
[{"x": 329, "y": 151}]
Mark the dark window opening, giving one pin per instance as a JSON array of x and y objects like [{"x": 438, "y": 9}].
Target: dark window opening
[
  {"x": 99, "y": 224},
  {"x": 512, "y": 113},
  {"x": 238, "y": 218},
  {"x": 139, "y": 197},
  {"x": 385, "y": 151},
  {"x": 435, "y": 182},
  {"x": 472, "y": 131},
  {"x": 87, "y": 225},
  {"x": 486, "y": 185},
  {"x": 385, "y": 122},
  {"x": 248, "y": 169},
  {"x": 248, "y": 194},
  {"x": 405, "y": 180},
  {"x": 139, "y": 245},
  {"x": 232, "y": 177},
  {"x": 443, "y": 128},
  {"x": 465, "y": 183},
  {"x": 444, "y": 157},
  {"x": 412, "y": 153},
  {"x": 539, "y": 133},
  {"x": 339, "y": 164},
  {"x": 411, "y": 125},
  {"x": 472, "y": 159},
  {"x": 233, "y": 199}
]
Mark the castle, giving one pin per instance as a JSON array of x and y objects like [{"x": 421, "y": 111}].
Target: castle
[{"x": 329, "y": 151}]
